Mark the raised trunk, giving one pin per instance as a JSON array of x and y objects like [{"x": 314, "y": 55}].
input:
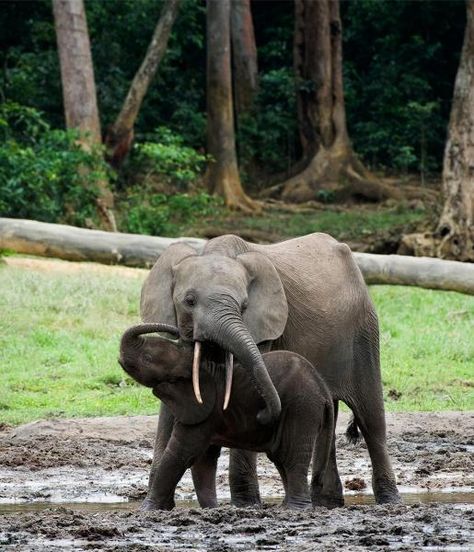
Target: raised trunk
[
  {"x": 233, "y": 336},
  {"x": 222, "y": 173},
  {"x": 244, "y": 56},
  {"x": 79, "y": 93},
  {"x": 120, "y": 134},
  {"x": 132, "y": 337},
  {"x": 328, "y": 159}
]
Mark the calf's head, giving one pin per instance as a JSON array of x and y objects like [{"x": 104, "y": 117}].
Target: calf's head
[{"x": 166, "y": 365}]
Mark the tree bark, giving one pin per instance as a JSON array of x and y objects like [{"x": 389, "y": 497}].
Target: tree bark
[
  {"x": 327, "y": 154},
  {"x": 222, "y": 173},
  {"x": 244, "y": 56},
  {"x": 456, "y": 225},
  {"x": 79, "y": 93},
  {"x": 79, "y": 244},
  {"x": 454, "y": 235},
  {"x": 120, "y": 134}
]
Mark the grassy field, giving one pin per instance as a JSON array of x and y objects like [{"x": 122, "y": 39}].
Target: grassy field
[
  {"x": 354, "y": 224},
  {"x": 60, "y": 329}
]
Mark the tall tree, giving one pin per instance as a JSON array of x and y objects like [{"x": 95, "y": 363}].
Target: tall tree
[
  {"x": 327, "y": 154},
  {"x": 120, "y": 134},
  {"x": 244, "y": 56},
  {"x": 79, "y": 92},
  {"x": 456, "y": 225},
  {"x": 222, "y": 172},
  {"x": 454, "y": 236}
]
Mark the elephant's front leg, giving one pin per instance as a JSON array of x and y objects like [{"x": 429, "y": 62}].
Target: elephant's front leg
[
  {"x": 186, "y": 444},
  {"x": 243, "y": 478},
  {"x": 204, "y": 477},
  {"x": 163, "y": 434}
]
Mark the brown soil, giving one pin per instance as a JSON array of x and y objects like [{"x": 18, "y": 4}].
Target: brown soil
[
  {"x": 107, "y": 459},
  {"x": 68, "y": 267}
]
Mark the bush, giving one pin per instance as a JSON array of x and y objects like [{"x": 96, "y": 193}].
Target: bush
[
  {"x": 167, "y": 159},
  {"x": 146, "y": 212},
  {"x": 42, "y": 170}
]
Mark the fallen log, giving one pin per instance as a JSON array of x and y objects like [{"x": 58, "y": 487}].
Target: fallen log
[
  {"x": 425, "y": 272},
  {"x": 79, "y": 244}
]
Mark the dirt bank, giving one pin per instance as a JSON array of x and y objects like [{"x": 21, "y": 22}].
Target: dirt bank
[{"x": 107, "y": 459}]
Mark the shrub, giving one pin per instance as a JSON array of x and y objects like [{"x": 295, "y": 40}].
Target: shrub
[
  {"x": 146, "y": 212},
  {"x": 168, "y": 159},
  {"x": 42, "y": 170}
]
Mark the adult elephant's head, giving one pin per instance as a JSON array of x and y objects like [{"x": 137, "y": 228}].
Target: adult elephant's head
[{"x": 236, "y": 303}]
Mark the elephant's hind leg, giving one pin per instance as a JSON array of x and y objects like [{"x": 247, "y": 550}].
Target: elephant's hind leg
[
  {"x": 367, "y": 405},
  {"x": 204, "y": 477},
  {"x": 372, "y": 426},
  {"x": 326, "y": 488},
  {"x": 243, "y": 480}
]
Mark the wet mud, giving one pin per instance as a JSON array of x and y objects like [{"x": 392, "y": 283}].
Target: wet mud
[{"x": 49, "y": 469}]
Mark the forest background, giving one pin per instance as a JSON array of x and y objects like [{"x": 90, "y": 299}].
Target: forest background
[{"x": 399, "y": 64}]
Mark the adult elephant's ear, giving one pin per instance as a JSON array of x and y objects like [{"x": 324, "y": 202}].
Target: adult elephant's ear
[
  {"x": 267, "y": 311},
  {"x": 156, "y": 304}
]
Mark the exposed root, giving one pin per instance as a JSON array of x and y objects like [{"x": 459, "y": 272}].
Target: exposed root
[
  {"x": 334, "y": 170},
  {"x": 454, "y": 245}
]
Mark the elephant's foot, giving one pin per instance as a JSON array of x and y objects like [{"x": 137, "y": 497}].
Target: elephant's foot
[
  {"x": 296, "y": 504},
  {"x": 149, "y": 505},
  {"x": 328, "y": 501},
  {"x": 386, "y": 492},
  {"x": 388, "y": 497},
  {"x": 246, "y": 501}
]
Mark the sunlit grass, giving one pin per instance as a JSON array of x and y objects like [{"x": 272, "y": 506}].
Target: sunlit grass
[{"x": 59, "y": 336}]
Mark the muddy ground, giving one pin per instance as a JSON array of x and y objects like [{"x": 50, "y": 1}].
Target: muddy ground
[{"x": 106, "y": 460}]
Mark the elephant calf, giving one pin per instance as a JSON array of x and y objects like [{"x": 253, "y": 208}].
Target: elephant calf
[{"x": 229, "y": 420}]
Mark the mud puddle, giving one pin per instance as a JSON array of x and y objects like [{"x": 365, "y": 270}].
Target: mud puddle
[{"x": 98, "y": 469}]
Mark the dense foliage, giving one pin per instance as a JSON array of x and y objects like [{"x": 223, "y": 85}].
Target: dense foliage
[
  {"x": 39, "y": 175},
  {"x": 400, "y": 60}
]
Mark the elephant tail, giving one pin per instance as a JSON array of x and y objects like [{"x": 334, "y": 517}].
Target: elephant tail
[{"x": 352, "y": 431}]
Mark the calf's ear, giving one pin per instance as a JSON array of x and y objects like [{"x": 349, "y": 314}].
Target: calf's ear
[{"x": 180, "y": 399}]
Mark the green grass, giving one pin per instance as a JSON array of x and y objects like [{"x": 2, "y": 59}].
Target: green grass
[
  {"x": 351, "y": 225},
  {"x": 59, "y": 336}
]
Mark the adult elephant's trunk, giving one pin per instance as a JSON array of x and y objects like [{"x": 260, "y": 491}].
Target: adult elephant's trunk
[{"x": 232, "y": 335}]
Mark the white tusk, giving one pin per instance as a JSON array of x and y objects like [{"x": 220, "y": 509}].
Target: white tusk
[
  {"x": 196, "y": 363},
  {"x": 229, "y": 369}
]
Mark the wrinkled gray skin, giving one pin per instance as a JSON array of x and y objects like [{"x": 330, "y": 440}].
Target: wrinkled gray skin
[
  {"x": 305, "y": 295},
  {"x": 200, "y": 430}
]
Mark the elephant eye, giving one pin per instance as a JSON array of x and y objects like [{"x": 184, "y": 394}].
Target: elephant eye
[
  {"x": 190, "y": 299},
  {"x": 244, "y": 306},
  {"x": 147, "y": 357}
]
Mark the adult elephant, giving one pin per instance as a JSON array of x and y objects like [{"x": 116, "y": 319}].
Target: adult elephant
[{"x": 305, "y": 295}]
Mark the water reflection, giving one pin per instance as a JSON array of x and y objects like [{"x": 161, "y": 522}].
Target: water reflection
[{"x": 451, "y": 497}]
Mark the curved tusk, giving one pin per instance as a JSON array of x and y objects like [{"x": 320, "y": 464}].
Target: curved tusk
[
  {"x": 229, "y": 369},
  {"x": 196, "y": 363}
]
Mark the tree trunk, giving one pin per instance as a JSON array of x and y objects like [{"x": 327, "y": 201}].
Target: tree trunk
[
  {"x": 244, "y": 56},
  {"x": 222, "y": 172},
  {"x": 79, "y": 93},
  {"x": 327, "y": 154},
  {"x": 456, "y": 225},
  {"x": 454, "y": 236},
  {"x": 120, "y": 134}
]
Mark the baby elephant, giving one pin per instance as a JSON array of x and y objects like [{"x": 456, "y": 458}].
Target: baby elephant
[{"x": 200, "y": 430}]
